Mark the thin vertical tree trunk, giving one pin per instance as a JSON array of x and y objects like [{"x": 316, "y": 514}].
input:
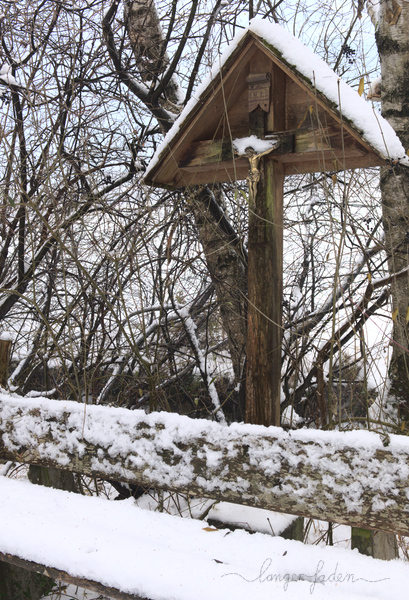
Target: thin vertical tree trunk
[
  {"x": 392, "y": 39},
  {"x": 223, "y": 250}
]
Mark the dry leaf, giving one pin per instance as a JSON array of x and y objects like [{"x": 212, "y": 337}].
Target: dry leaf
[
  {"x": 361, "y": 86},
  {"x": 209, "y": 529},
  {"x": 407, "y": 315},
  {"x": 395, "y": 314},
  {"x": 369, "y": 277}
]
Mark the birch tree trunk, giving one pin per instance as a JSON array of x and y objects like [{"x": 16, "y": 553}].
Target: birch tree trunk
[
  {"x": 145, "y": 34},
  {"x": 225, "y": 258},
  {"x": 227, "y": 264},
  {"x": 392, "y": 39}
]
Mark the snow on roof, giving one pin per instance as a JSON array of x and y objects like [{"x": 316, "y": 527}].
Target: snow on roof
[{"x": 305, "y": 63}]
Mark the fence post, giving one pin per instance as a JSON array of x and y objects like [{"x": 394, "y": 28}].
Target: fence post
[
  {"x": 5, "y": 348},
  {"x": 378, "y": 544}
]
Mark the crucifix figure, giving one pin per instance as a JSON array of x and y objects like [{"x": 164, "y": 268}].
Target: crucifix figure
[{"x": 254, "y": 171}]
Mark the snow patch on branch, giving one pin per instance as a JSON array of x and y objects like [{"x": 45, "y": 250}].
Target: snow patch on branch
[{"x": 6, "y": 75}]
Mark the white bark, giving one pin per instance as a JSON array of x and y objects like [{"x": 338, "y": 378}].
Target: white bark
[
  {"x": 222, "y": 247},
  {"x": 392, "y": 39},
  {"x": 145, "y": 34}
]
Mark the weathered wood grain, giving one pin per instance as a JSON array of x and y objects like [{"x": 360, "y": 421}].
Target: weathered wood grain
[
  {"x": 5, "y": 347},
  {"x": 265, "y": 293}
]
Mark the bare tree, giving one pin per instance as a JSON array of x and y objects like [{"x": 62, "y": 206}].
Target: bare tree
[{"x": 92, "y": 264}]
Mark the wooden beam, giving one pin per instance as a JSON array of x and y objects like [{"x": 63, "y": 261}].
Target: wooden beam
[
  {"x": 65, "y": 577},
  {"x": 206, "y": 153},
  {"x": 265, "y": 262},
  {"x": 312, "y": 146},
  {"x": 237, "y": 170},
  {"x": 209, "y": 152},
  {"x": 348, "y": 478},
  {"x": 329, "y": 161},
  {"x": 265, "y": 291}
]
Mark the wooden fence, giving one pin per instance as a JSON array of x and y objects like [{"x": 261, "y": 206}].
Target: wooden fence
[{"x": 355, "y": 478}]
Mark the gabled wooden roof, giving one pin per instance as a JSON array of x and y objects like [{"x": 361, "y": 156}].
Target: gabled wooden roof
[{"x": 315, "y": 134}]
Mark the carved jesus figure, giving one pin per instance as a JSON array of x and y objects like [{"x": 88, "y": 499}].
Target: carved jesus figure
[{"x": 254, "y": 173}]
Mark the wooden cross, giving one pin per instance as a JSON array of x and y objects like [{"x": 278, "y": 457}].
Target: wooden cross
[{"x": 257, "y": 93}]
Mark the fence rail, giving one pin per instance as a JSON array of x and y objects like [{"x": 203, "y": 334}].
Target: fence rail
[{"x": 349, "y": 478}]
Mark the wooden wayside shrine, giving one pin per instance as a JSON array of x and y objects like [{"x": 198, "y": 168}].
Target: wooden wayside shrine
[
  {"x": 258, "y": 119},
  {"x": 256, "y": 93},
  {"x": 317, "y": 137}
]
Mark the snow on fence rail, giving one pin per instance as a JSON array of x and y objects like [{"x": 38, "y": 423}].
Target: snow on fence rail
[
  {"x": 128, "y": 553},
  {"x": 349, "y": 478}
]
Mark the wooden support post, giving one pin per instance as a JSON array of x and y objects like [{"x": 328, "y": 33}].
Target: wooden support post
[
  {"x": 5, "y": 347},
  {"x": 17, "y": 582},
  {"x": 265, "y": 251},
  {"x": 46, "y": 572},
  {"x": 265, "y": 289},
  {"x": 378, "y": 544}
]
